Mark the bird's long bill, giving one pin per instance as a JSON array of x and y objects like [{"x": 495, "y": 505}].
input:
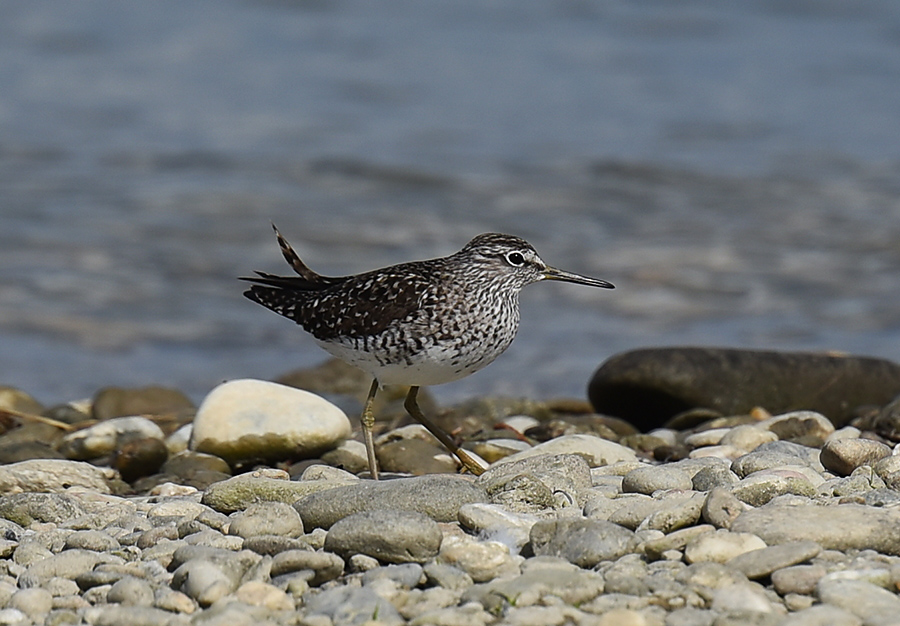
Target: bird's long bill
[{"x": 552, "y": 273}]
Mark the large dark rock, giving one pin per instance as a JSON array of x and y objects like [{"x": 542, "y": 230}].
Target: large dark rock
[{"x": 650, "y": 386}]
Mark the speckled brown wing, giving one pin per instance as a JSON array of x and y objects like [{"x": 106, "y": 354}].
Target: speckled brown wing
[{"x": 351, "y": 306}]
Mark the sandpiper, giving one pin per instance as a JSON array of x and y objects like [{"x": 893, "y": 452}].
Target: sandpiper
[{"x": 416, "y": 324}]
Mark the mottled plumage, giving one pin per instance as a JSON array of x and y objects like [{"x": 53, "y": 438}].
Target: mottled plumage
[{"x": 418, "y": 323}]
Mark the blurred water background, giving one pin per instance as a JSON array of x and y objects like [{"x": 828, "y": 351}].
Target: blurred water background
[{"x": 734, "y": 168}]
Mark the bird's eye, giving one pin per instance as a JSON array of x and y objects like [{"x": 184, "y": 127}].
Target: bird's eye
[{"x": 516, "y": 259}]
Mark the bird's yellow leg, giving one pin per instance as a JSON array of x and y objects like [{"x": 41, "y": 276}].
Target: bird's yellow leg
[
  {"x": 368, "y": 423},
  {"x": 413, "y": 408}
]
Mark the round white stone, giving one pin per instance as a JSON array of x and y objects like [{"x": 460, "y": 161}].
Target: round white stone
[{"x": 245, "y": 420}]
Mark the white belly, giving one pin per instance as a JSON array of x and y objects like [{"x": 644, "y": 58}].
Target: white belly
[{"x": 433, "y": 365}]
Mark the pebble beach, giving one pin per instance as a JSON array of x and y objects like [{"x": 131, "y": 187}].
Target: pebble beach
[{"x": 136, "y": 507}]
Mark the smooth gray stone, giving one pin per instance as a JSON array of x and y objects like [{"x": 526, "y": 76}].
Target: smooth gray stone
[
  {"x": 872, "y": 604},
  {"x": 68, "y": 564},
  {"x": 566, "y": 475},
  {"x": 350, "y": 606},
  {"x": 800, "y": 579},
  {"x": 391, "y": 536},
  {"x": 95, "y": 540},
  {"x": 273, "y": 544},
  {"x": 776, "y": 454},
  {"x": 760, "y": 563},
  {"x": 584, "y": 542},
  {"x": 54, "y": 475},
  {"x": 721, "y": 507},
  {"x": 406, "y": 575},
  {"x": 437, "y": 496},
  {"x": 25, "y": 508},
  {"x": 652, "y": 478},
  {"x": 842, "y": 456},
  {"x": 324, "y": 566},
  {"x": 266, "y": 518},
  {"x": 675, "y": 513},
  {"x": 114, "y": 615},
  {"x": 447, "y": 576},
  {"x": 131, "y": 591},
  {"x": 759, "y": 489},
  {"x": 821, "y": 615},
  {"x": 239, "y": 492},
  {"x": 844, "y": 527},
  {"x": 713, "y": 476},
  {"x": 690, "y": 616},
  {"x": 561, "y": 580},
  {"x": 208, "y": 581}
]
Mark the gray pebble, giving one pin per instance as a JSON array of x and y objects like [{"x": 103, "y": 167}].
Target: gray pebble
[
  {"x": 35, "y": 603},
  {"x": 323, "y": 566},
  {"x": 868, "y": 602},
  {"x": 761, "y": 487},
  {"x": 131, "y": 591},
  {"x": 821, "y": 615},
  {"x": 352, "y": 606},
  {"x": 405, "y": 575},
  {"x": 68, "y": 564},
  {"x": 713, "y": 476},
  {"x": 677, "y": 540},
  {"x": 844, "y": 527},
  {"x": 53, "y": 475},
  {"x": 760, "y": 563},
  {"x": 269, "y": 518},
  {"x": 652, "y": 478},
  {"x": 495, "y": 522},
  {"x": 273, "y": 544},
  {"x": 584, "y": 542},
  {"x": 437, "y": 496},
  {"x": 566, "y": 476},
  {"x": 94, "y": 540},
  {"x": 541, "y": 577},
  {"x": 114, "y": 615},
  {"x": 674, "y": 513},
  {"x": 392, "y": 536},
  {"x": 447, "y": 576},
  {"x": 776, "y": 454},
  {"x": 842, "y": 456},
  {"x": 797, "y": 579},
  {"x": 25, "y": 508},
  {"x": 236, "y": 494},
  {"x": 207, "y": 581}
]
